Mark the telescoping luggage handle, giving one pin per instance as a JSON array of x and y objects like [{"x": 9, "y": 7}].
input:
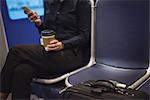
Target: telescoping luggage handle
[
  {"x": 103, "y": 86},
  {"x": 108, "y": 86}
]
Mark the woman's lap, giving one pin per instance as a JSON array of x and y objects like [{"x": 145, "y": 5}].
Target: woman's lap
[{"x": 51, "y": 62}]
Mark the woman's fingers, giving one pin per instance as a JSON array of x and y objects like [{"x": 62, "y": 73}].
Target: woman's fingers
[
  {"x": 52, "y": 45},
  {"x": 54, "y": 41},
  {"x": 33, "y": 16},
  {"x": 38, "y": 22}
]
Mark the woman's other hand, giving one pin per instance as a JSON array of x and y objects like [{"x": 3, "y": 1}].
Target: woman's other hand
[{"x": 55, "y": 45}]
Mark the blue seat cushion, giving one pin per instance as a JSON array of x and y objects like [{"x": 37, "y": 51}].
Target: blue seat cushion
[
  {"x": 103, "y": 72},
  {"x": 146, "y": 87}
]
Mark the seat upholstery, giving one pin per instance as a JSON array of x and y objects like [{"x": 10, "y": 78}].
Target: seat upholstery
[
  {"x": 103, "y": 72},
  {"x": 123, "y": 33},
  {"x": 146, "y": 87}
]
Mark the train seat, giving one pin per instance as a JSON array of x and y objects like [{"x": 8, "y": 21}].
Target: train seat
[{"x": 121, "y": 41}]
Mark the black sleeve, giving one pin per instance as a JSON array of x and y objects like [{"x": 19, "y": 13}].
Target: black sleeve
[
  {"x": 43, "y": 26},
  {"x": 83, "y": 22}
]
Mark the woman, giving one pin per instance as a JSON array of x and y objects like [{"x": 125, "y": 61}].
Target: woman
[{"x": 70, "y": 19}]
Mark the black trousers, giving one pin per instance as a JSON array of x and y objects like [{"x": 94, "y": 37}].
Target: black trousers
[{"x": 26, "y": 62}]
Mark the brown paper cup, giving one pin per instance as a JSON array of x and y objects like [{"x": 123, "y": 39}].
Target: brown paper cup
[{"x": 47, "y": 39}]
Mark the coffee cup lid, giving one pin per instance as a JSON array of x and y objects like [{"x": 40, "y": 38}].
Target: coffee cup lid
[{"x": 48, "y": 32}]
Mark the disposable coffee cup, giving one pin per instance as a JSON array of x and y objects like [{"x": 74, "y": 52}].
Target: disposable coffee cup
[{"x": 47, "y": 37}]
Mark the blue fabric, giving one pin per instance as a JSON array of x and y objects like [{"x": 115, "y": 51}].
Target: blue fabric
[
  {"x": 146, "y": 87},
  {"x": 100, "y": 72},
  {"x": 122, "y": 35}
]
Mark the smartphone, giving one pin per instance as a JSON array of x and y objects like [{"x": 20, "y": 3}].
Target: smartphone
[{"x": 26, "y": 9}]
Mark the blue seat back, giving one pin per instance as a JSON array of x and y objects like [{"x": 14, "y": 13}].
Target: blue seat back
[{"x": 123, "y": 33}]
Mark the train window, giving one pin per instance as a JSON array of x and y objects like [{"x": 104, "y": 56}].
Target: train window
[{"x": 15, "y": 11}]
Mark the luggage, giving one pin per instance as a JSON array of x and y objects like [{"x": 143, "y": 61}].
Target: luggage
[{"x": 101, "y": 90}]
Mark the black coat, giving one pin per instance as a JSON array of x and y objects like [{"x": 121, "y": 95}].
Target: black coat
[{"x": 70, "y": 20}]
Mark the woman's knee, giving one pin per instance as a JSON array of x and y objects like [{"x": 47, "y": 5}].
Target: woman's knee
[
  {"x": 19, "y": 47},
  {"x": 24, "y": 70},
  {"x": 14, "y": 49}
]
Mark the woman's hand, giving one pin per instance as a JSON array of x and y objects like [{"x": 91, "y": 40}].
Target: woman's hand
[
  {"x": 55, "y": 45},
  {"x": 33, "y": 17}
]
